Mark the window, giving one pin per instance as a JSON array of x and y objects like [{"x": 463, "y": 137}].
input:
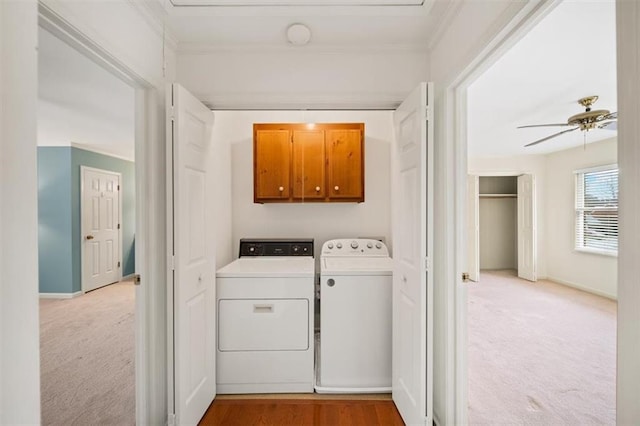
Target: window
[{"x": 597, "y": 210}]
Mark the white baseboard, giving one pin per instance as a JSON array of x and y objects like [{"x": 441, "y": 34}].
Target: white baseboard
[
  {"x": 60, "y": 295},
  {"x": 583, "y": 288}
]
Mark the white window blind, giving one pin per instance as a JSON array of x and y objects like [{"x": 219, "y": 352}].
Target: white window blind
[{"x": 597, "y": 210}]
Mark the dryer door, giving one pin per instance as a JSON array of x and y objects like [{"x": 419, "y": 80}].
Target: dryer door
[{"x": 263, "y": 325}]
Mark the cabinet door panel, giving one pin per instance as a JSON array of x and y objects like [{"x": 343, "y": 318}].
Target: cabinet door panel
[
  {"x": 345, "y": 164},
  {"x": 272, "y": 157},
  {"x": 308, "y": 164}
]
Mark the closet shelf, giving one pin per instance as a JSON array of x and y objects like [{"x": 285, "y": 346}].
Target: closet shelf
[{"x": 498, "y": 195}]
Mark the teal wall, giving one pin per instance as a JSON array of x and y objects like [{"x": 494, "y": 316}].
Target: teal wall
[
  {"x": 66, "y": 207},
  {"x": 54, "y": 220}
]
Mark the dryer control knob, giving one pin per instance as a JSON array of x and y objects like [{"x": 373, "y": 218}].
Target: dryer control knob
[
  {"x": 330, "y": 246},
  {"x": 369, "y": 245},
  {"x": 339, "y": 245},
  {"x": 378, "y": 245},
  {"x": 354, "y": 245}
]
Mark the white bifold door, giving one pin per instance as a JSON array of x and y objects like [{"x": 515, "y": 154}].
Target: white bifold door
[
  {"x": 412, "y": 371},
  {"x": 527, "y": 227},
  {"x": 191, "y": 257}
]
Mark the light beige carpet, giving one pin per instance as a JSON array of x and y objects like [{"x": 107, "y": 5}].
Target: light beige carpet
[
  {"x": 87, "y": 358},
  {"x": 539, "y": 353}
]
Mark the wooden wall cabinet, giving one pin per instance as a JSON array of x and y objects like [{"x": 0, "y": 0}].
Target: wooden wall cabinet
[
  {"x": 272, "y": 164},
  {"x": 303, "y": 163}
]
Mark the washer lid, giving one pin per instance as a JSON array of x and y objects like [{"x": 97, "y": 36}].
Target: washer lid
[
  {"x": 357, "y": 265},
  {"x": 269, "y": 267}
]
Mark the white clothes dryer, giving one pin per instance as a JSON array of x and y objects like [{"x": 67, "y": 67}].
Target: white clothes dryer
[
  {"x": 354, "y": 353},
  {"x": 265, "y": 302}
]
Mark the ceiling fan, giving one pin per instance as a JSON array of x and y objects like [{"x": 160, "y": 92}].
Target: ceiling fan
[{"x": 585, "y": 121}]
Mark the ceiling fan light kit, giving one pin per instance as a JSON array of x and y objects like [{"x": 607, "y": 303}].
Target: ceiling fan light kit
[{"x": 585, "y": 121}]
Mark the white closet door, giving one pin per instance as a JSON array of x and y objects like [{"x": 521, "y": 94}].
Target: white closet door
[
  {"x": 412, "y": 378},
  {"x": 527, "y": 227},
  {"x": 193, "y": 258},
  {"x": 473, "y": 227}
]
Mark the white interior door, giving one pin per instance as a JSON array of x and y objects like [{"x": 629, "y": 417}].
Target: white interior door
[
  {"x": 473, "y": 227},
  {"x": 527, "y": 227},
  {"x": 100, "y": 212},
  {"x": 193, "y": 258},
  {"x": 412, "y": 378}
]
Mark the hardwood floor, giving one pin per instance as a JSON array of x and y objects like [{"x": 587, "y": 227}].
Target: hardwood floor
[{"x": 301, "y": 412}]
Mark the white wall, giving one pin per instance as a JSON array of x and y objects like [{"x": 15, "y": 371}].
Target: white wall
[
  {"x": 321, "y": 221},
  {"x": 297, "y": 79},
  {"x": 557, "y": 260},
  {"x": 513, "y": 166},
  {"x": 498, "y": 233},
  {"x": 19, "y": 316},
  {"x": 221, "y": 160},
  {"x": 628, "y": 56},
  {"x": 592, "y": 272}
]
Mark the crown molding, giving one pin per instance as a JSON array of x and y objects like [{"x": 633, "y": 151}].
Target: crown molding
[
  {"x": 207, "y": 48},
  {"x": 451, "y": 10},
  {"x": 302, "y": 101},
  {"x": 288, "y": 3},
  {"x": 101, "y": 151},
  {"x": 158, "y": 19}
]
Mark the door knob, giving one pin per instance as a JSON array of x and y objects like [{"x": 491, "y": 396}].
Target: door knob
[
  {"x": 89, "y": 237},
  {"x": 337, "y": 188},
  {"x": 281, "y": 188},
  {"x": 317, "y": 189}
]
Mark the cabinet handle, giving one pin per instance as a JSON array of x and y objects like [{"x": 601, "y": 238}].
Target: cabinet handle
[
  {"x": 317, "y": 189},
  {"x": 281, "y": 188},
  {"x": 337, "y": 188}
]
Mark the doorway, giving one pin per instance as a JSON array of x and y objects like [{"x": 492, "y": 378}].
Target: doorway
[
  {"x": 554, "y": 160},
  {"x": 87, "y": 226}
]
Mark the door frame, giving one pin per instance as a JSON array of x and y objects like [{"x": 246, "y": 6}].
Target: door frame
[
  {"x": 83, "y": 231},
  {"x": 454, "y": 262},
  {"x": 149, "y": 255}
]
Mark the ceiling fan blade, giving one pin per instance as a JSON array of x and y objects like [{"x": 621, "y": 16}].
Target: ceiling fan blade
[
  {"x": 552, "y": 136},
  {"x": 545, "y": 125},
  {"x": 608, "y": 125},
  {"x": 613, "y": 115}
]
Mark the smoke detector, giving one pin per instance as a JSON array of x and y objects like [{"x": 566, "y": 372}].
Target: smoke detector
[{"x": 298, "y": 34}]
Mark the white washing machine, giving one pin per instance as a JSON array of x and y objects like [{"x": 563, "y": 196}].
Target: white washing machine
[
  {"x": 265, "y": 302},
  {"x": 354, "y": 353}
]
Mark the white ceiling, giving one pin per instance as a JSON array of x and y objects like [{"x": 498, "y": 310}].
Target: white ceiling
[
  {"x": 340, "y": 23},
  {"x": 81, "y": 103},
  {"x": 569, "y": 54}
]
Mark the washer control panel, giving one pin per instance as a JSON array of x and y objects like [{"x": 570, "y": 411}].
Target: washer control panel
[{"x": 354, "y": 247}]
